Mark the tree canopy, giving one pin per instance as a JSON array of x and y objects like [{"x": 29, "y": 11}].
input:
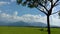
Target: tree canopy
[{"x": 45, "y": 6}]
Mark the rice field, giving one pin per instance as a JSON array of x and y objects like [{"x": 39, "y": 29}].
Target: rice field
[{"x": 26, "y": 30}]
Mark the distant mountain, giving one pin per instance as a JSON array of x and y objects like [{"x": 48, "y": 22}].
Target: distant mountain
[
  {"x": 2, "y": 23},
  {"x": 21, "y": 23},
  {"x": 38, "y": 24}
]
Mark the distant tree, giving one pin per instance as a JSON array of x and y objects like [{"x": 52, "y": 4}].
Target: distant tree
[{"x": 45, "y": 6}]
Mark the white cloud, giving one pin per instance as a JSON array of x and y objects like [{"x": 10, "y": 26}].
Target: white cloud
[
  {"x": 0, "y": 11},
  {"x": 13, "y": 0},
  {"x": 34, "y": 18},
  {"x": 4, "y": 3},
  {"x": 54, "y": 1},
  {"x": 15, "y": 13},
  {"x": 29, "y": 18}
]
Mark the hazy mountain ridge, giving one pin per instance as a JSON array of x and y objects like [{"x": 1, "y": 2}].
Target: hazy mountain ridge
[{"x": 21, "y": 23}]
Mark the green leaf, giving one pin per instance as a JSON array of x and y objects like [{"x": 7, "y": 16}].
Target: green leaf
[
  {"x": 24, "y": 3},
  {"x": 19, "y": 1}
]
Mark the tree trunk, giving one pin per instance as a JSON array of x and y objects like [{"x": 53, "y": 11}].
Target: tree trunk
[{"x": 48, "y": 25}]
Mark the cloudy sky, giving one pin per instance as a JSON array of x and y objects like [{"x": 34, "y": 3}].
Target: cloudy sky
[{"x": 11, "y": 12}]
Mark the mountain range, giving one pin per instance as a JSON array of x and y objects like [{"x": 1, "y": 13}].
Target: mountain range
[{"x": 21, "y": 23}]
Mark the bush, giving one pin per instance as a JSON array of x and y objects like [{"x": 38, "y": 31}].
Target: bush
[{"x": 42, "y": 30}]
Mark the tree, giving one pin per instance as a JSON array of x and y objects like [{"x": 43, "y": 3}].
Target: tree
[{"x": 45, "y": 6}]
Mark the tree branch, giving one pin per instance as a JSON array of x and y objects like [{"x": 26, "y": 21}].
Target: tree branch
[
  {"x": 50, "y": 10},
  {"x": 55, "y": 12},
  {"x": 55, "y": 3},
  {"x": 43, "y": 6},
  {"x": 41, "y": 10},
  {"x": 51, "y": 2},
  {"x": 52, "y": 6}
]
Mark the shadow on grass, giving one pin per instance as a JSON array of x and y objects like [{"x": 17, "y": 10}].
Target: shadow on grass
[{"x": 43, "y": 30}]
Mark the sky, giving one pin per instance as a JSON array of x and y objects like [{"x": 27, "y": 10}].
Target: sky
[{"x": 10, "y": 11}]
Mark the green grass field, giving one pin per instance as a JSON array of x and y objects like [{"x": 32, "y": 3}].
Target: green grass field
[{"x": 26, "y": 30}]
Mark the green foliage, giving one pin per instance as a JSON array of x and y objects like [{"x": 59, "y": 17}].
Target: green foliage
[
  {"x": 31, "y": 3},
  {"x": 19, "y": 1},
  {"x": 39, "y": 4}
]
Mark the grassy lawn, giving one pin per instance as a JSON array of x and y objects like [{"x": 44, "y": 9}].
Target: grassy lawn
[{"x": 26, "y": 30}]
